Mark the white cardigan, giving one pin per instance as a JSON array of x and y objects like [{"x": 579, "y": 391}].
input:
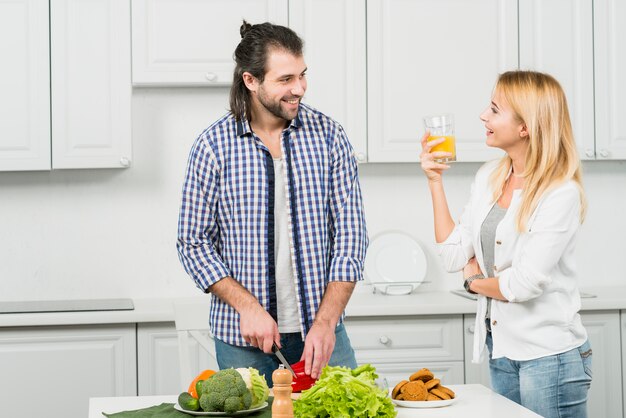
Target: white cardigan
[{"x": 536, "y": 271}]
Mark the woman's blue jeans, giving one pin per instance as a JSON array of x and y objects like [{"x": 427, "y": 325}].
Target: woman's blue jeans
[
  {"x": 292, "y": 348},
  {"x": 554, "y": 386}
]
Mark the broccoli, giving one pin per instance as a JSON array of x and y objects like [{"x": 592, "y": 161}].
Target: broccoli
[{"x": 225, "y": 391}]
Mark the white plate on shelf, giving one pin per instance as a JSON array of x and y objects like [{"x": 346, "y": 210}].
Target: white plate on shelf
[
  {"x": 395, "y": 263},
  {"x": 423, "y": 404},
  {"x": 220, "y": 414}
]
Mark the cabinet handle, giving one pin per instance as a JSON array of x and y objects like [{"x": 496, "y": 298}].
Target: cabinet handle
[
  {"x": 124, "y": 162},
  {"x": 589, "y": 153},
  {"x": 211, "y": 76},
  {"x": 384, "y": 340},
  {"x": 470, "y": 329},
  {"x": 360, "y": 157},
  {"x": 604, "y": 153}
]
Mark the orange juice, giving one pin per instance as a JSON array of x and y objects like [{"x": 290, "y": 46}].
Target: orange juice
[{"x": 446, "y": 146}]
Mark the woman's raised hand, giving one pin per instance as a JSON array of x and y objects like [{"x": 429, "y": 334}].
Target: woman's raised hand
[{"x": 432, "y": 169}]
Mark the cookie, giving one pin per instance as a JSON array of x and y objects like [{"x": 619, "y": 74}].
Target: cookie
[
  {"x": 440, "y": 393},
  {"x": 414, "y": 391},
  {"x": 431, "y": 397},
  {"x": 396, "y": 389},
  {"x": 424, "y": 375},
  {"x": 446, "y": 390},
  {"x": 432, "y": 383}
]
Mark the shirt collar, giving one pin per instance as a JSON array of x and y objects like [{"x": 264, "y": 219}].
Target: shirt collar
[{"x": 243, "y": 126}]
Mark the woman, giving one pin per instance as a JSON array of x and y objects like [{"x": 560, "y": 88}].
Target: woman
[{"x": 515, "y": 244}]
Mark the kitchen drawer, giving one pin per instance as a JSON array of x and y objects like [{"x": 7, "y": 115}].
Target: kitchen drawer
[
  {"x": 450, "y": 373},
  {"x": 415, "y": 338}
]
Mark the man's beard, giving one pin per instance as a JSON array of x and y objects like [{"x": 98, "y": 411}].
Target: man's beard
[{"x": 275, "y": 108}]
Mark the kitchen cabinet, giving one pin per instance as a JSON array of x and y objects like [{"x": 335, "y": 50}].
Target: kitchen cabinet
[
  {"x": 25, "y": 85},
  {"x": 190, "y": 42},
  {"x": 158, "y": 359},
  {"x": 603, "y": 328},
  {"x": 432, "y": 56},
  {"x": 399, "y": 346},
  {"x": 59, "y": 368},
  {"x": 610, "y": 84},
  {"x": 566, "y": 52},
  {"x": 335, "y": 52},
  {"x": 91, "y": 83},
  {"x": 605, "y": 395},
  {"x": 68, "y": 88}
]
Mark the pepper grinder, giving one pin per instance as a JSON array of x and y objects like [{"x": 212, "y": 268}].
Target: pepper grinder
[{"x": 282, "y": 407}]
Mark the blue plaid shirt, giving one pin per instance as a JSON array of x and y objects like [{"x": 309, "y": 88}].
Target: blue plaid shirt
[{"x": 226, "y": 222}]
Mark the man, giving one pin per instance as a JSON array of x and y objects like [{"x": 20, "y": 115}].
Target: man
[{"x": 271, "y": 221}]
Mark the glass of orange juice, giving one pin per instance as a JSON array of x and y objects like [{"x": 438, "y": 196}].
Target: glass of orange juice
[{"x": 442, "y": 126}]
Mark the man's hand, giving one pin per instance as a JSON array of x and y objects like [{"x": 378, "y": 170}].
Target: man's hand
[
  {"x": 318, "y": 347},
  {"x": 320, "y": 340},
  {"x": 257, "y": 326}
]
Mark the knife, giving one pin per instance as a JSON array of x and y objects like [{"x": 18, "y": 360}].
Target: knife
[{"x": 282, "y": 359}]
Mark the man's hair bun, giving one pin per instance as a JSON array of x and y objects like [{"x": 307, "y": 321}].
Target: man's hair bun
[{"x": 245, "y": 28}]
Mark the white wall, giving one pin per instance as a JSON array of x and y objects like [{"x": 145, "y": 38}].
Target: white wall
[{"x": 111, "y": 233}]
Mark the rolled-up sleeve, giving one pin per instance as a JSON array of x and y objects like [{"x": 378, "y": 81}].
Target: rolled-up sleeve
[
  {"x": 347, "y": 220},
  {"x": 198, "y": 232},
  {"x": 551, "y": 229}
]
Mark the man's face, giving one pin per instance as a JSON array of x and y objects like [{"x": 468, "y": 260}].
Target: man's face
[{"x": 284, "y": 84}]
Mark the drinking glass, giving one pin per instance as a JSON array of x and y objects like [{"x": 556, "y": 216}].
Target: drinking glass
[{"x": 442, "y": 126}]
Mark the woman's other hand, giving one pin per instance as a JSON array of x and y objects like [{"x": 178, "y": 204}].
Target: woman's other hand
[
  {"x": 471, "y": 268},
  {"x": 431, "y": 168}
]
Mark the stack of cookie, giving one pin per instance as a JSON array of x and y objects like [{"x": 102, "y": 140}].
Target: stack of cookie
[{"x": 421, "y": 386}]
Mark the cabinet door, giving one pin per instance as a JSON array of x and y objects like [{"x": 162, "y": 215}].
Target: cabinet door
[
  {"x": 190, "y": 42},
  {"x": 610, "y": 67},
  {"x": 24, "y": 85},
  {"x": 158, "y": 360},
  {"x": 334, "y": 41},
  {"x": 70, "y": 363},
  {"x": 566, "y": 52},
  {"x": 474, "y": 373},
  {"x": 435, "y": 56},
  {"x": 605, "y": 395},
  {"x": 91, "y": 86}
]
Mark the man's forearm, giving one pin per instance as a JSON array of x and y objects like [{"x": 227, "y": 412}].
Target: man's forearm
[
  {"x": 232, "y": 292},
  {"x": 334, "y": 302}
]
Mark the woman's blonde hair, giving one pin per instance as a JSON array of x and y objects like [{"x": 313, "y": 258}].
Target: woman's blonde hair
[{"x": 538, "y": 101}]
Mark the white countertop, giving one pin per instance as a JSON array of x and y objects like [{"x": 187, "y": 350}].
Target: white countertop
[
  {"x": 363, "y": 303},
  {"x": 473, "y": 401}
]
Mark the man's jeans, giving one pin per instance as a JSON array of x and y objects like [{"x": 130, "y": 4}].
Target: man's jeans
[
  {"x": 553, "y": 386},
  {"x": 292, "y": 348}
]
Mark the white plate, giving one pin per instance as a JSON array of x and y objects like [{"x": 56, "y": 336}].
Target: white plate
[
  {"x": 424, "y": 404},
  {"x": 395, "y": 263},
  {"x": 220, "y": 414}
]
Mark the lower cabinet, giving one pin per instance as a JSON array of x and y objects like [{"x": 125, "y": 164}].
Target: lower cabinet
[
  {"x": 603, "y": 328},
  {"x": 56, "y": 370},
  {"x": 399, "y": 346},
  {"x": 158, "y": 359}
]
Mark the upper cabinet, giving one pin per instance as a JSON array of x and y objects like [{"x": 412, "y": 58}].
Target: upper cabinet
[
  {"x": 336, "y": 75},
  {"x": 610, "y": 83},
  {"x": 66, "y": 94},
  {"x": 566, "y": 52},
  {"x": 190, "y": 42},
  {"x": 24, "y": 85},
  {"x": 91, "y": 83},
  {"x": 432, "y": 56}
]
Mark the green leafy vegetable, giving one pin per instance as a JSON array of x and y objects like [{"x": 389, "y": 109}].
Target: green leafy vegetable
[{"x": 344, "y": 393}]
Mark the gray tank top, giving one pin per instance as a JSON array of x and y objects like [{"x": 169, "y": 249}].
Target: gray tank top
[{"x": 488, "y": 242}]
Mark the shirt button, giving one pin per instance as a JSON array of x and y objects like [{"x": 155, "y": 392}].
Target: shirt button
[
  {"x": 499, "y": 242},
  {"x": 494, "y": 323}
]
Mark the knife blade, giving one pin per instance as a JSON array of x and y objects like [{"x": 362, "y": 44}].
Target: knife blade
[{"x": 282, "y": 359}]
